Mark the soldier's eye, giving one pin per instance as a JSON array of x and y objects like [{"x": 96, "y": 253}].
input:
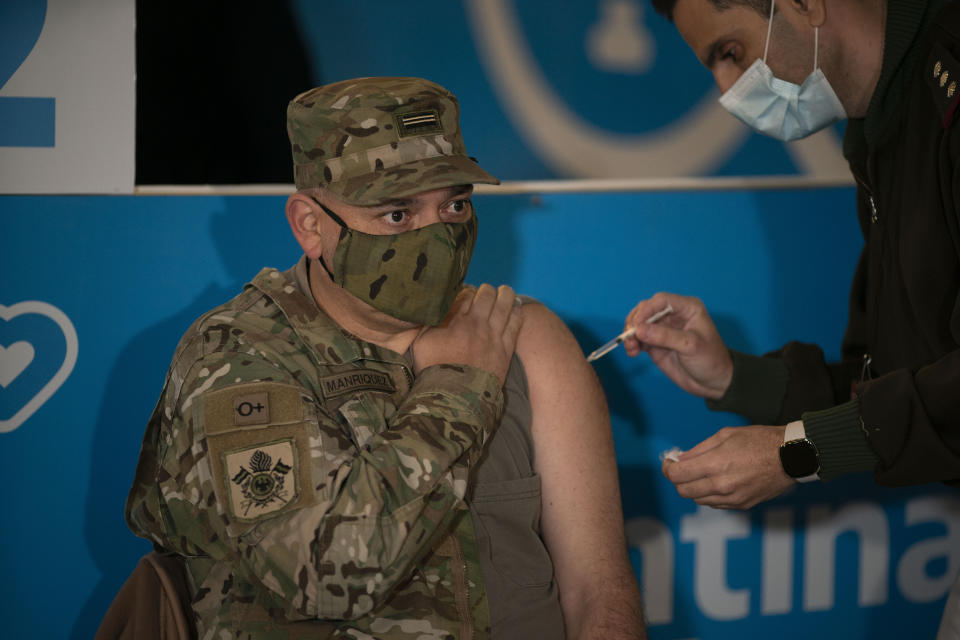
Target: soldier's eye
[
  {"x": 458, "y": 208},
  {"x": 397, "y": 216}
]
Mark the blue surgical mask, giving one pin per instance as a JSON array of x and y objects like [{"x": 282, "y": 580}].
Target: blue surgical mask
[{"x": 779, "y": 108}]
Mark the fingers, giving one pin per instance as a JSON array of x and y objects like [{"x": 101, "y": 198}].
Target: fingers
[
  {"x": 710, "y": 443},
  {"x": 711, "y": 491},
  {"x": 660, "y": 335},
  {"x": 697, "y": 481},
  {"x": 639, "y": 320},
  {"x": 718, "y": 491},
  {"x": 708, "y": 458},
  {"x": 506, "y": 317},
  {"x": 463, "y": 301},
  {"x": 481, "y": 330},
  {"x": 499, "y": 308},
  {"x": 684, "y": 471},
  {"x": 735, "y": 468},
  {"x": 512, "y": 331},
  {"x": 723, "y": 493},
  {"x": 645, "y": 309},
  {"x": 484, "y": 298},
  {"x": 502, "y": 307}
]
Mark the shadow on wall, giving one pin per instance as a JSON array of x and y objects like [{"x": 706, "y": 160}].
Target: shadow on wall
[
  {"x": 496, "y": 253},
  {"x": 136, "y": 379},
  {"x": 825, "y": 282}
]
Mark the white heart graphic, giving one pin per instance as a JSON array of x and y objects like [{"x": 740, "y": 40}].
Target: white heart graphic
[
  {"x": 69, "y": 358},
  {"x": 13, "y": 360}
]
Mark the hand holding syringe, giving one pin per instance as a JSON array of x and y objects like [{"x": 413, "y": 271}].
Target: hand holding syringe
[
  {"x": 610, "y": 346},
  {"x": 672, "y": 454}
]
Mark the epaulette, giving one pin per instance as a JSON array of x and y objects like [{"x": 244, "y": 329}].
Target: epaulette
[{"x": 942, "y": 72}]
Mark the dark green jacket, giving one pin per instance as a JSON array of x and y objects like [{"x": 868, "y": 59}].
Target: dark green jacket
[{"x": 893, "y": 403}]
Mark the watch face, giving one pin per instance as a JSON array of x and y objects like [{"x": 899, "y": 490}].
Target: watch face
[{"x": 799, "y": 458}]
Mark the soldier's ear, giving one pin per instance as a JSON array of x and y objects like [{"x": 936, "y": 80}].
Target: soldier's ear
[{"x": 302, "y": 214}]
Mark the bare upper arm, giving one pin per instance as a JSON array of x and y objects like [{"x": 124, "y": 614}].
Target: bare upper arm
[{"x": 574, "y": 455}]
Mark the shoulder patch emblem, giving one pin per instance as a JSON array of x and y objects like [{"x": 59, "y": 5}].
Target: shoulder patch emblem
[
  {"x": 249, "y": 405},
  {"x": 356, "y": 380},
  {"x": 260, "y": 480},
  {"x": 250, "y": 409}
]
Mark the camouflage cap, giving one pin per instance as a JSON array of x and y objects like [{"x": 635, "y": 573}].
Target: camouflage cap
[{"x": 369, "y": 140}]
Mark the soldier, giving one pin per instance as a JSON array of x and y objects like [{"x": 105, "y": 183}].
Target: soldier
[{"x": 362, "y": 447}]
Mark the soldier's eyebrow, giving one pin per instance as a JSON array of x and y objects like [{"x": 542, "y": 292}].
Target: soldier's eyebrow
[
  {"x": 402, "y": 203},
  {"x": 460, "y": 189},
  {"x": 397, "y": 202},
  {"x": 388, "y": 205}
]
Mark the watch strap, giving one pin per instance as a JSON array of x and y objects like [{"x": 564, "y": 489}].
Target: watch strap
[{"x": 795, "y": 431}]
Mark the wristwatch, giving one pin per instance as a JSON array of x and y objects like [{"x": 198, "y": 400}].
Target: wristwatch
[{"x": 798, "y": 455}]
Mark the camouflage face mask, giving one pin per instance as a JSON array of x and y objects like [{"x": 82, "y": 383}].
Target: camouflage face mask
[{"x": 412, "y": 276}]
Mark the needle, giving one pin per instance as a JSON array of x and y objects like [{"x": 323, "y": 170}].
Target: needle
[{"x": 610, "y": 346}]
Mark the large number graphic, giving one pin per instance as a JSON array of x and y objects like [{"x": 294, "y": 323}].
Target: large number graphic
[
  {"x": 24, "y": 121},
  {"x": 17, "y": 357}
]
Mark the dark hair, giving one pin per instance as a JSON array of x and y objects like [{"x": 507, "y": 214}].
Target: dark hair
[{"x": 665, "y": 7}]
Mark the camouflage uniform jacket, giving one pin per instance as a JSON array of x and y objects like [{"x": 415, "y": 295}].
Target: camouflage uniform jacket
[{"x": 313, "y": 484}]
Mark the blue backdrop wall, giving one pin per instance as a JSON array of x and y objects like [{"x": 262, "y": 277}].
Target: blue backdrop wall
[
  {"x": 601, "y": 88},
  {"x": 96, "y": 290},
  {"x": 127, "y": 275}
]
